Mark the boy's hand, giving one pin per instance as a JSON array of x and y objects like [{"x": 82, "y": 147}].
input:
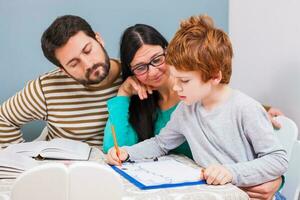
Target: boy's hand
[
  {"x": 216, "y": 175},
  {"x": 112, "y": 157}
]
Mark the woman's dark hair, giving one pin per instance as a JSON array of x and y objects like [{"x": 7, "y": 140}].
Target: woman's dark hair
[{"x": 142, "y": 113}]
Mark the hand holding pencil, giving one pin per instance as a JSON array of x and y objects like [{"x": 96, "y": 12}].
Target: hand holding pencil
[
  {"x": 113, "y": 158},
  {"x": 116, "y": 155}
]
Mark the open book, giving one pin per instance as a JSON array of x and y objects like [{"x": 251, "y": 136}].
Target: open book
[
  {"x": 12, "y": 164},
  {"x": 57, "y": 148}
]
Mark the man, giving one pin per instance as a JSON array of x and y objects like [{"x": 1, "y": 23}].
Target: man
[{"x": 72, "y": 98}]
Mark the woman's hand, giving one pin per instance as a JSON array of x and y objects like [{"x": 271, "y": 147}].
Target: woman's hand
[{"x": 132, "y": 86}]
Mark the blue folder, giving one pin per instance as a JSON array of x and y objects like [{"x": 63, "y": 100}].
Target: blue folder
[{"x": 149, "y": 187}]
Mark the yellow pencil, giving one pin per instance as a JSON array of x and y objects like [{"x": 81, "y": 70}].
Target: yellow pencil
[{"x": 116, "y": 143}]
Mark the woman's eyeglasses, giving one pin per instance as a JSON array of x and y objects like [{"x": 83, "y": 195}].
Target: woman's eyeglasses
[{"x": 144, "y": 68}]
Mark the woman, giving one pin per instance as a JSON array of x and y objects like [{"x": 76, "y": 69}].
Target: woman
[{"x": 145, "y": 100}]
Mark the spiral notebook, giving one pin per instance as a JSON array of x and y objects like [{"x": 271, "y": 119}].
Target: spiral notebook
[{"x": 159, "y": 174}]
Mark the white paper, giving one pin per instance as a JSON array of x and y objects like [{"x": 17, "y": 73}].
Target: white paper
[{"x": 161, "y": 172}]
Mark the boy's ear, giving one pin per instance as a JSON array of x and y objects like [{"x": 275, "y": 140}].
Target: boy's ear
[
  {"x": 99, "y": 38},
  {"x": 217, "y": 78}
]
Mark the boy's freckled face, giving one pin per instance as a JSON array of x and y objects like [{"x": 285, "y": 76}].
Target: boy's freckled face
[{"x": 190, "y": 86}]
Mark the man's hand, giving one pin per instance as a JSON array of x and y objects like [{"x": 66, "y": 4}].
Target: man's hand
[
  {"x": 216, "y": 175},
  {"x": 274, "y": 112},
  {"x": 264, "y": 191}
]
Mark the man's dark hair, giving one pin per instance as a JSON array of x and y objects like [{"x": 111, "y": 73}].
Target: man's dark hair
[{"x": 60, "y": 31}]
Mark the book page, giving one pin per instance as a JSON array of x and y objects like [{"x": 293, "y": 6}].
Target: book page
[
  {"x": 161, "y": 172},
  {"x": 30, "y": 149},
  {"x": 12, "y": 164},
  {"x": 60, "y": 148}
]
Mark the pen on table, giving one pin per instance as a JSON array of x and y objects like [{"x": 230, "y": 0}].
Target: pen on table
[{"x": 116, "y": 143}]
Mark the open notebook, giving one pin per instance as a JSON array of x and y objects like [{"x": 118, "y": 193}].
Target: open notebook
[
  {"x": 57, "y": 148},
  {"x": 159, "y": 174}
]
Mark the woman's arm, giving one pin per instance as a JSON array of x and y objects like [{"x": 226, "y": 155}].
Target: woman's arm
[{"x": 118, "y": 109}]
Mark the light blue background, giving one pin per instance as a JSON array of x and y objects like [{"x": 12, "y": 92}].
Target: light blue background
[{"x": 22, "y": 23}]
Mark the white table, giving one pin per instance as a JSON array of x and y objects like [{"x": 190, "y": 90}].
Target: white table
[{"x": 198, "y": 192}]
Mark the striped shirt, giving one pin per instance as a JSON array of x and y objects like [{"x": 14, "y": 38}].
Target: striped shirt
[{"x": 70, "y": 109}]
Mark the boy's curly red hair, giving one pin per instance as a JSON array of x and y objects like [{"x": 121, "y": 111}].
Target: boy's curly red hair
[{"x": 198, "y": 45}]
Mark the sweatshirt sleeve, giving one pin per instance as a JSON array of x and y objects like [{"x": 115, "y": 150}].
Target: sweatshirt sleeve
[
  {"x": 118, "y": 109},
  {"x": 169, "y": 138},
  {"x": 271, "y": 161},
  {"x": 27, "y": 105}
]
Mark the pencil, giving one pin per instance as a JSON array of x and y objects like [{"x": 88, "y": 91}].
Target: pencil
[
  {"x": 202, "y": 171},
  {"x": 116, "y": 143}
]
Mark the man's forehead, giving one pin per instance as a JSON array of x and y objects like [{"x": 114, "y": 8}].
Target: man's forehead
[{"x": 73, "y": 47}]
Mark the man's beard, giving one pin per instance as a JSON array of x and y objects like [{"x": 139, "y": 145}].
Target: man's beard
[{"x": 101, "y": 74}]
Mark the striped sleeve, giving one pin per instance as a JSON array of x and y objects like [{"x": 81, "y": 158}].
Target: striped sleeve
[{"x": 27, "y": 105}]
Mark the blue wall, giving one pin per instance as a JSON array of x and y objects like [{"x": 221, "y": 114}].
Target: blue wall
[{"x": 22, "y": 23}]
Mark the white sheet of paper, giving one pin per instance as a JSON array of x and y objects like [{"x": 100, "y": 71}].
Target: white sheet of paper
[{"x": 161, "y": 172}]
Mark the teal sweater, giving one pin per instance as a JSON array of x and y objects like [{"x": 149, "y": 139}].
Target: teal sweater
[{"x": 118, "y": 108}]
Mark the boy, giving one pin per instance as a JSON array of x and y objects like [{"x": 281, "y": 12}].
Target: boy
[{"x": 229, "y": 133}]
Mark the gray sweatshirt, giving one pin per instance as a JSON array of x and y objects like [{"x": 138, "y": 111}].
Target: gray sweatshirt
[{"x": 237, "y": 134}]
